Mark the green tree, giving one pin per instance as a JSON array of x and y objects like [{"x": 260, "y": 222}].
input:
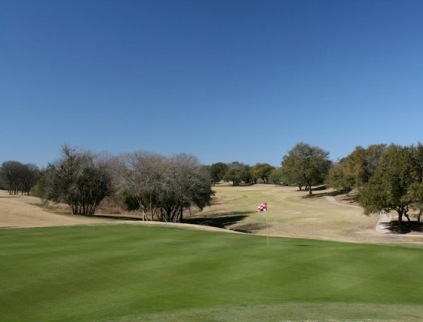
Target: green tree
[
  {"x": 76, "y": 180},
  {"x": 217, "y": 171},
  {"x": 305, "y": 166},
  {"x": 262, "y": 171},
  {"x": 416, "y": 191},
  {"x": 338, "y": 178},
  {"x": 93, "y": 185},
  {"x": 238, "y": 172},
  {"x": 396, "y": 184},
  {"x": 276, "y": 177},
  {"x": 357, "y": 168},
  {"x": 233, "y": 175}
]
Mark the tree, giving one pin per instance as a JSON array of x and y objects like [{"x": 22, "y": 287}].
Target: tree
[
  {"x": 167, "y": 187},
  {"x": 18, "y": 177},
  {"x": 29, "y": 176},
  {"x": 10, "y": 175},
  {"x": 143, "y": 176},
  {"x": 357, "y": 168},
  {"x": 186, "y": 183},
  {"x": 305, "y": 165},
  {"x": 77, "y": 180},
  {"x": 396, "y": 184},
  {"x": 416, "y": 190},
  {"x": 93, "y": 185},
  {"x": 262, "y": 171},
  {"x": 338, "y": 178},
  {"x": 237, "y": 173},
  {"x": 276, "y": 177},
  {"x": 217, "y": 171}
]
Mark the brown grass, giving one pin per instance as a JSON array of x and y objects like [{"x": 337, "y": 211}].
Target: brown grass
[
  {"x": 28, "y": 211},
  {"x": 290, "y": 214}
]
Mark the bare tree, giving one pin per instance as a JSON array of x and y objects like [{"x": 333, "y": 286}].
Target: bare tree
[
  {"x": 166, "y": 187},
  {"x": 186, "y": 183},
  {"x": 18, "y": 177},
  {"x": 143, "y": 177}
]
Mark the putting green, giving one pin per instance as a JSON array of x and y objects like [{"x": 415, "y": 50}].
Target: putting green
[{"x": 139, "y": 273}]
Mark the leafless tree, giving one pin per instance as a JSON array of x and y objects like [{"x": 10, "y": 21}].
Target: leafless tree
[
  {"x": 166, "y": 187},
  {"x": 18, "y": 177}
]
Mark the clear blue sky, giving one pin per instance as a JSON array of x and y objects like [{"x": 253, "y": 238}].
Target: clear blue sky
[{"x": 222, "y": 80}]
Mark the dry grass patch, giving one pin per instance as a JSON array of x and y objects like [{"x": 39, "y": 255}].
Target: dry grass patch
[
  {"x": 292, "y": 214},
  {"x": 29, "y": 211}
]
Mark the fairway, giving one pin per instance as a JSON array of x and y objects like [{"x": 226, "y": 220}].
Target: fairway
[
  {"x": 139, "y": 273},
  {"x": 292, "y": 214}
]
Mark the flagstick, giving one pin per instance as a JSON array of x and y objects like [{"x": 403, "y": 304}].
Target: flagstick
[
  {"x": 263, "y": 208},
  {"x": 267, "y": 235}
]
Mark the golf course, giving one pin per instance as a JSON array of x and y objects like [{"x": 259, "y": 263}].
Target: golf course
[{"x": 305, "y": 259}]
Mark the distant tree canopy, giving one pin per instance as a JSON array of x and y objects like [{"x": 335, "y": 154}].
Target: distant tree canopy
[
  {"x": 238, "y": 173},
  {"x": 77, "y": 180},
  {"x": 397, "y": 183},
  {"x": 17, "y": 177},
  {"x": 217, "y": 171},
  {"x": 276, "y": 177},
  {"x": 357, "y": 168},
  {"x": 163, "y": 188},
  {"x": 262, "y": 172},
  {"x": 305, "y": 166}
]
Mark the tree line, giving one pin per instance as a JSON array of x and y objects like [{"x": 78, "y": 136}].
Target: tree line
[
  {"x": 161, "y": 188},
  {"x": 16, "y": 177},
  {"x": 386, "y": 178}
]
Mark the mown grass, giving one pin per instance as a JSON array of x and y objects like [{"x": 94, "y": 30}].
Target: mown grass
[{"x": 139, "y": 273}]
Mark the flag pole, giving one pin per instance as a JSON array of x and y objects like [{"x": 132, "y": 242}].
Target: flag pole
[
  {"x": 267, "y": 225},
  {"x": 263, "y": 208},
  {"x": 267, "y": 235}
]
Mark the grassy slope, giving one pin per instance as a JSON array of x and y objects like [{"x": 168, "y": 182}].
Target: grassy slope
[
  {"x": 130, "y": 273},
  {"x": 289, "y": 214}
]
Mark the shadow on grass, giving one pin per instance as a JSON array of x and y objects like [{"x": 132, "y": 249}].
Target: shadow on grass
[
  {"x": 220, "y": 221},
  {"x": 323, "y": 194},
  {"x": 351, "y": 197},
  {"x": 117, "y": 217},
  {"x": 407, "y": 227},
  {"x": 249, "y": 228}
]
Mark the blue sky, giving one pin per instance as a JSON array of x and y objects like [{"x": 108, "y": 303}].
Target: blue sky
[{"x": 222, "y": 80}]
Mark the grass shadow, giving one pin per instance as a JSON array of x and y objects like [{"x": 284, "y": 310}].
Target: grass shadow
[
  {"x": 324, "y": 194},
  {"x": 220, "y": 220},
  {"x": 407, "y": 227},
  {"x": 249, "y": 228}
]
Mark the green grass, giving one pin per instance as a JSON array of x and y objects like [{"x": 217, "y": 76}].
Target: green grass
[{"x": 138, "y": 273}]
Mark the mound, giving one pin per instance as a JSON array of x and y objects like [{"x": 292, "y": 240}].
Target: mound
[{"x": 27, "y": 211}]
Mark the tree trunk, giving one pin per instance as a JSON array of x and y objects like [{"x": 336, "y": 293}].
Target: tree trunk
[
  {"x": 400, "y": 213},
  {"x": 181, "y": 215}
]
